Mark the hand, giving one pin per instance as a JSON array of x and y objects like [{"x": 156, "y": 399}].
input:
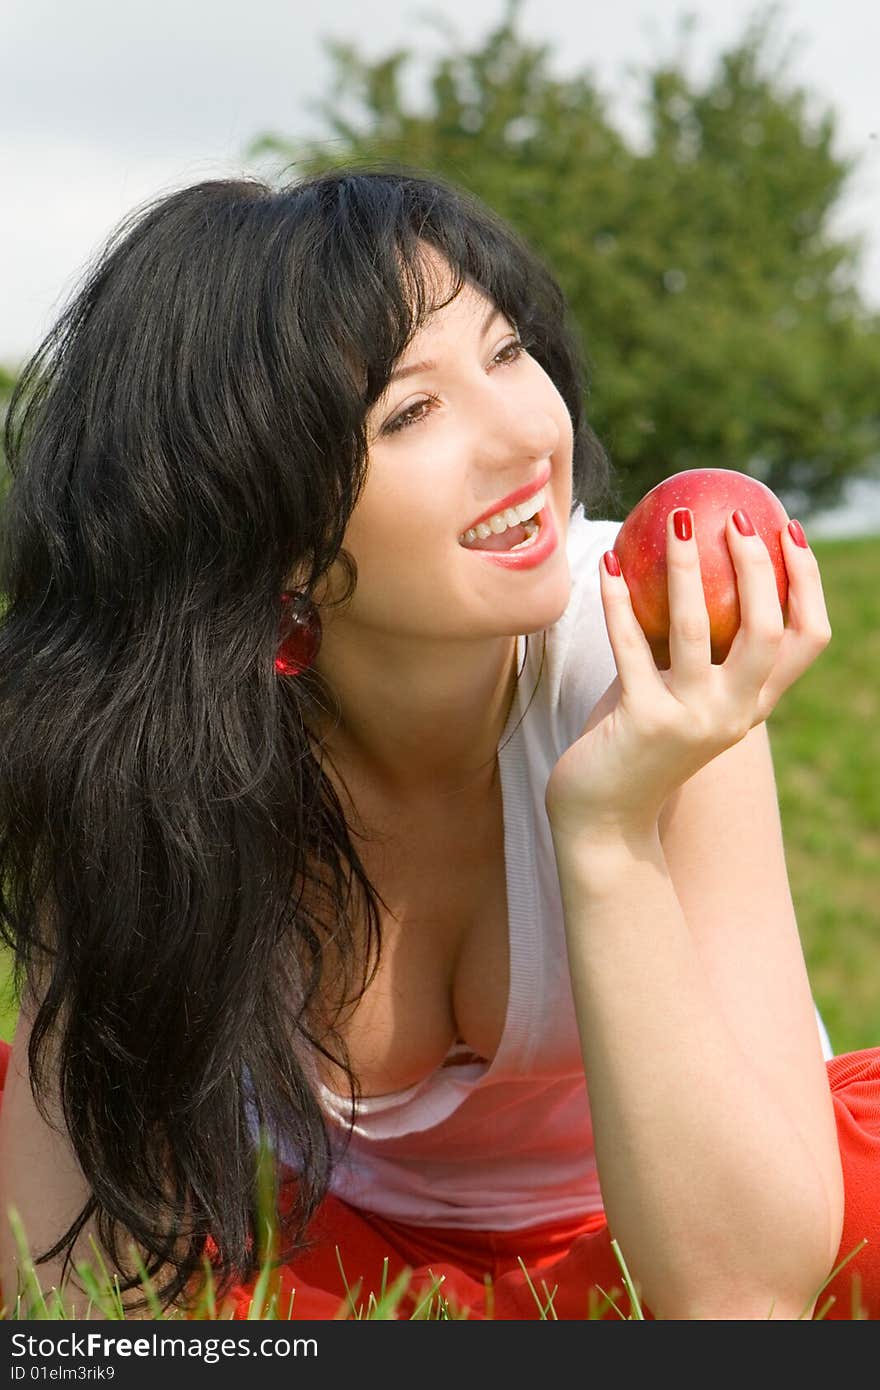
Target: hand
[{"x": 652, "y": 730}]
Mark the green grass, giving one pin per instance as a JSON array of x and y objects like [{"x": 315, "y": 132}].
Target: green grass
[{"x": 824, "y": 736}]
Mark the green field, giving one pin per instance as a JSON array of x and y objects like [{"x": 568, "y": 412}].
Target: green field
[{"x": 827, "y": 756}]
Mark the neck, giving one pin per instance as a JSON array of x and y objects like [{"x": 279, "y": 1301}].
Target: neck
[{"x": 417, "y": 718}]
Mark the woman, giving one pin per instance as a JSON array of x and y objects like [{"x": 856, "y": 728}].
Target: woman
[{"x": 342, "y": 797}]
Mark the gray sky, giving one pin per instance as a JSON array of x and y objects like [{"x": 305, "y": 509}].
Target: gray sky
[{"x": 105, "y": 103}]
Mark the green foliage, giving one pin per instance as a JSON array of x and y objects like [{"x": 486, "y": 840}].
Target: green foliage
[
  {"x": 720, "y": 313},
  {"x": 7, "y": 381},
  {"x": 827, "y": 758}
]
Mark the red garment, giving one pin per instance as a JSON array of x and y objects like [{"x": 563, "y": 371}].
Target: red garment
[
  {"x": 576, "y": 1257},
  {"x": 576, "y": 1261}
]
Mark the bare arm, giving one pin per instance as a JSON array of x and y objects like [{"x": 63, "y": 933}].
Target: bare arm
[
  {"x": 40, "y": 1177},
  {"x": 715, "y": 1138},
  {"x": 716, "y": 1147}
]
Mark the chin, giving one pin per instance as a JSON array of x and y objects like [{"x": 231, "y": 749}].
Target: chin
[{"x": 548, "y": 607}]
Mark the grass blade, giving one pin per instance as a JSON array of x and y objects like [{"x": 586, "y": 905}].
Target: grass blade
[{"x": 628, "y": 1284}]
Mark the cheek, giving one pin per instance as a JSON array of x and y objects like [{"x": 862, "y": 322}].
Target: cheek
[
  {"x": 407, "y": 496},
  {"x": 386, "y": 523}
]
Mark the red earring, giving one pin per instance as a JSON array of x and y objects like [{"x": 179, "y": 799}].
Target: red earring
[{"x": 300, "y": 634}]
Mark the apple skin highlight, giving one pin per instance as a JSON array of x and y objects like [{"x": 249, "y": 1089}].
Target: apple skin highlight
[{"x": 711, "y": 494}]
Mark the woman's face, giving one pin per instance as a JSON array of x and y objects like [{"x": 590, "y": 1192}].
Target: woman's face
[{"x": 469, "y": 420}]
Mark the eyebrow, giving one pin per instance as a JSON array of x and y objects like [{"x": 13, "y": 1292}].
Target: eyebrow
[{"x": 428, "y": 366}]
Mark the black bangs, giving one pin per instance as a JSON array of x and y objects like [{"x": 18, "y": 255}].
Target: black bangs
[{"x": 370, "y": 288}]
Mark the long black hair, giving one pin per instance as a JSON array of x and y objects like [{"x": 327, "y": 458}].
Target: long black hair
[{"x": 173, "y": 859}]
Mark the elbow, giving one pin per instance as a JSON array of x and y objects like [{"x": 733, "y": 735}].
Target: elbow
[
  {"x": 755, "y": 1298},
  {"x": 781, "y": 1278}
]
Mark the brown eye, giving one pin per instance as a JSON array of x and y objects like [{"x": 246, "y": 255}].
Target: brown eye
[
  {"x": 411, "y": 415},
  {"x": 516, "y": 348}
]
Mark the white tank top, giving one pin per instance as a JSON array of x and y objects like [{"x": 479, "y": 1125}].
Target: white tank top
[{"x": 506, "y": 1144}]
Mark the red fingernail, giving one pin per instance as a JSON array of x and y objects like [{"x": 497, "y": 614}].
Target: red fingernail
[
  {"x": 612, "y": 564},
  {"x": 681, "y": 521},
  {"x": 743, "y": 524},
  {"x": 796, "y": 531}
]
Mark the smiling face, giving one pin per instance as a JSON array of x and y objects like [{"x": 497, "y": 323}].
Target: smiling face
[{"x": 468, "y": 421}]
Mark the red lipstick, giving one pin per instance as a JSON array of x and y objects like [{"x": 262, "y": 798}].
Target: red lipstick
[
  {"x": 532, "y": 555},
  {"x": 512, "y": 500}
]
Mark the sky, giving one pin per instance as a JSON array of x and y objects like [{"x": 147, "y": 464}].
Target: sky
[{"x": 105, "y": 104}]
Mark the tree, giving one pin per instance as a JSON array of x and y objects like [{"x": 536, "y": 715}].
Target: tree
[
  {"x": 7, "y": 381},
  {"x": 720, "y": 314}
]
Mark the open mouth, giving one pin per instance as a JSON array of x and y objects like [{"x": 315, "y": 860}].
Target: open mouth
[{"x": 518, "y": 537}]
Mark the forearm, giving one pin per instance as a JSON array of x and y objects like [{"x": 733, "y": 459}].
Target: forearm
[
  {"x": 711, "y": 1190},
  {"x": 41, "y": 1179}
]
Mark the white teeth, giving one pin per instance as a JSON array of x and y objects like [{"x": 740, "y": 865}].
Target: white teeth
[
  {"x": 531, "y": 506},
  {"x": 511, "y": 516}
]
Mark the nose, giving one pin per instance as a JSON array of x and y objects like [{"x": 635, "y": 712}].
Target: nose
[{"x": 516, "y": 428}]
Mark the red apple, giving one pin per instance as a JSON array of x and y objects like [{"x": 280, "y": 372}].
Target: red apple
[{"x": 711, "y": 494}]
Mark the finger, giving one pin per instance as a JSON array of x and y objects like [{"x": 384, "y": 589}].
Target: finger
[
  {"x": 632, "y": 651},
  {"x": 755, "y": 648},
  {"x": 690, "y": 643},
  {"x": 808, "y": 630},
  {"x": 808, "y": 618}
]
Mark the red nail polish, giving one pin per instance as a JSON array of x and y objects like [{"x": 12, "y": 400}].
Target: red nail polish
[
  {"x": 612, "y": 564},
  {"x": 681, "y": 521},
  {"x": 796, "y": 531},
  {"x": 743, "y": 523}
]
